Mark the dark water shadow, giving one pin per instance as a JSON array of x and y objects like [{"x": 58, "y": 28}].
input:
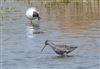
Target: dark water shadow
[
  {"x": 33, "y": 31},
  {"x": 37, "y": 30},
  {"x": 63, "y": 56}
]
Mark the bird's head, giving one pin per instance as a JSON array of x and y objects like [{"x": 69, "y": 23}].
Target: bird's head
[
  {"x": 47, "y": 42},
  {"x": 36, "y": 14}
]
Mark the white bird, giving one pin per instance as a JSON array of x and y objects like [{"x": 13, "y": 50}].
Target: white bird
[{"x": 32, "y": 14}]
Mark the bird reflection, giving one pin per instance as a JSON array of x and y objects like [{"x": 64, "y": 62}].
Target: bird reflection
[{"x": 33, "y": 30}]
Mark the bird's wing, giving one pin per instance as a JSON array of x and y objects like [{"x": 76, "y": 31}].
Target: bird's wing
[
  {"x": 70, "y": 48},
  {"x": 61, "y": 47}
]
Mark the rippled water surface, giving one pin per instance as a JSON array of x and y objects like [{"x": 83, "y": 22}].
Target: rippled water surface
[{"x": 72, "y": 23}]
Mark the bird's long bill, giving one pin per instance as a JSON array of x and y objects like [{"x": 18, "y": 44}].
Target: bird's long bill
[{"x": 43, "y": 48}]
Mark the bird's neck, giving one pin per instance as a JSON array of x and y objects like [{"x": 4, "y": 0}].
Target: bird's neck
[{"x": 52, "y": 45}]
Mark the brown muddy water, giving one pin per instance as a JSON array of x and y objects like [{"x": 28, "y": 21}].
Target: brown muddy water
[{"x": 73, "y": 23}]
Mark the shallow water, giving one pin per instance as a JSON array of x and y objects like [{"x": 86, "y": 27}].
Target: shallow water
[{"x": 76, "y": 24}]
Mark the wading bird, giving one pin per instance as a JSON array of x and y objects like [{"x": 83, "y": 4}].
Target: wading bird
[
  {"x": 59, "y": 49},
  {"x": 32, "y": 14}
]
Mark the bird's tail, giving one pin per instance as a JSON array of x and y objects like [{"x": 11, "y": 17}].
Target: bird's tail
[{"x": 70, "y": 49}]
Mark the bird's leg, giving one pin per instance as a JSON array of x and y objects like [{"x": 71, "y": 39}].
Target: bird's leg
[
  {"x": 31, "y": 22},
  {"x": 38, "y": 24},
  {"x": 63, "y": 55},
  {"x": 67, "y": 54},
  {"x": 39, "y": 18}
]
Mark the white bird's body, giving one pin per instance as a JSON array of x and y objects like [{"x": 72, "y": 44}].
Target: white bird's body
[{"x": 32, "y": 14}]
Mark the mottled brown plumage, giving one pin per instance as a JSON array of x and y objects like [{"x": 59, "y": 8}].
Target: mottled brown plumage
[{"x": 59, "y": 49}]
